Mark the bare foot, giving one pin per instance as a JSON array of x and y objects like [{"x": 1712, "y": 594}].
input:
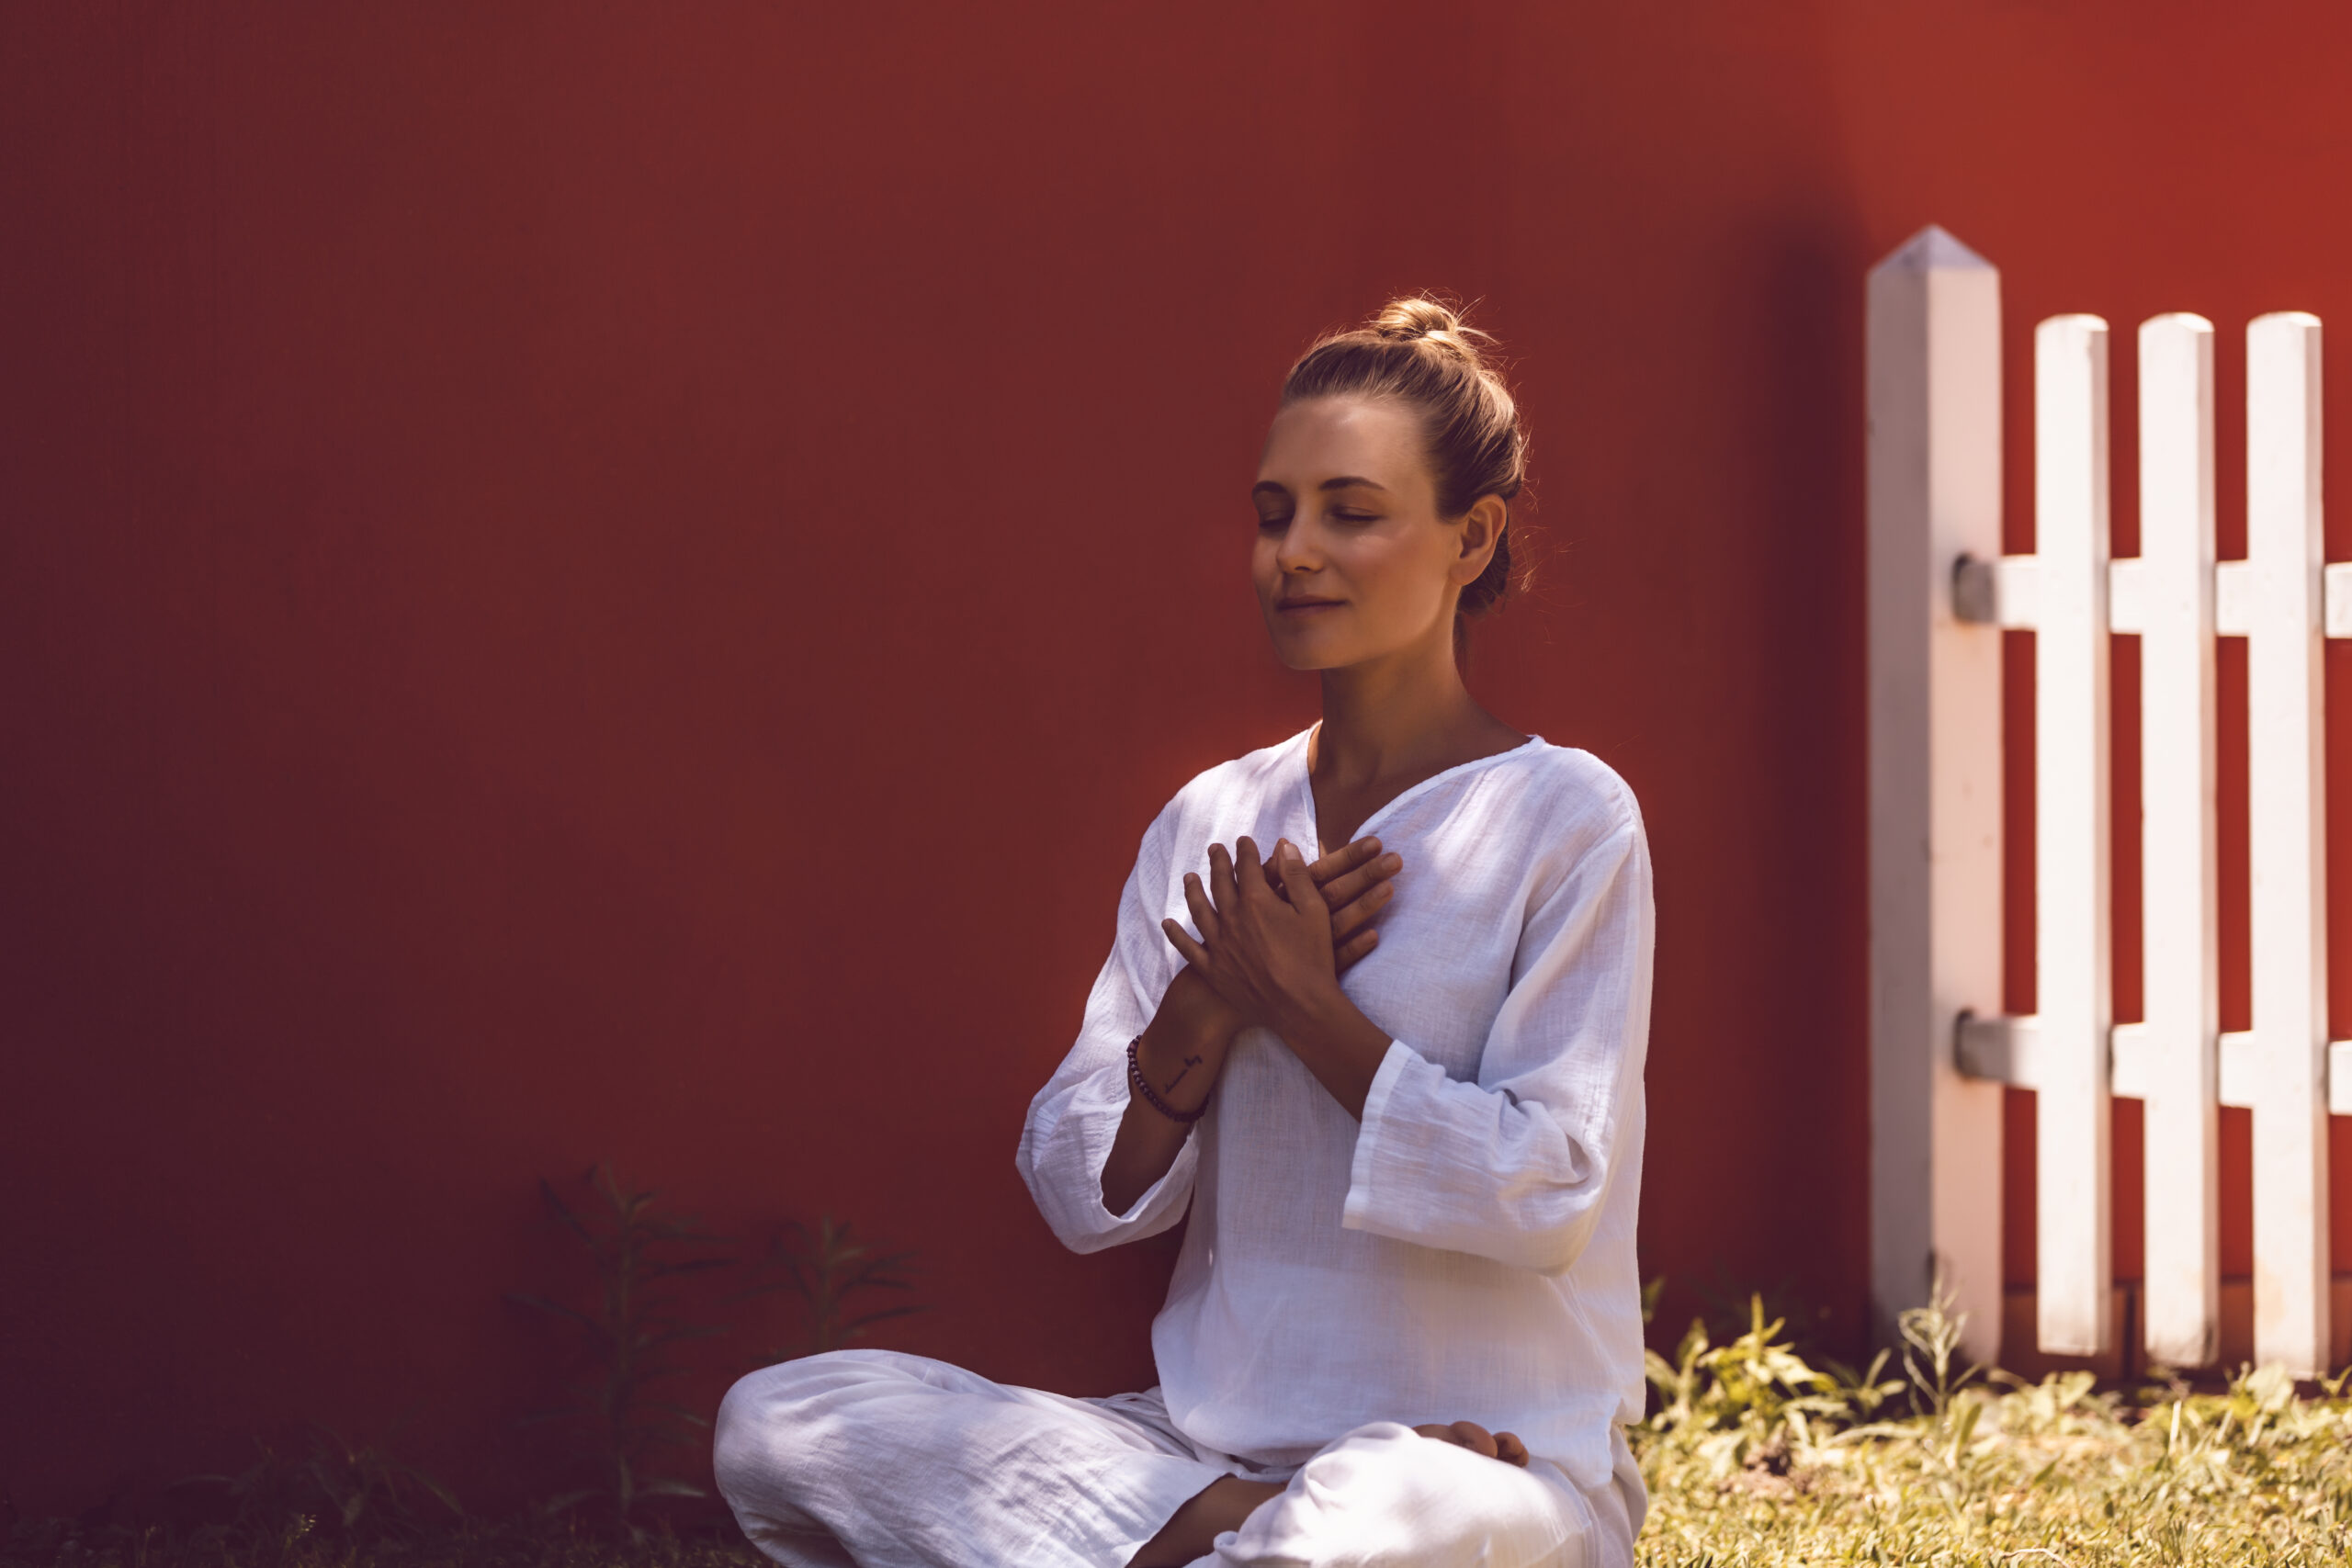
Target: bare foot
[
  {"x": 1192, "y": 1529},
  {"x": 1504, "y": 1446}
]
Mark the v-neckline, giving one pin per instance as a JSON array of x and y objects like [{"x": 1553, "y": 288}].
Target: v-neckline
[{"x": 1306, "y": 785}]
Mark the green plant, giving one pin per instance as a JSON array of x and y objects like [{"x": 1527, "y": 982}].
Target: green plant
[
  {"x": 360, "y": 1491},
  {"x": 1931, "y": 1344},
  {"x": 631, "y": 1333},
  {"x": 1942, "y": 1396},
  {"x": 1754, "y": 1399},
  {"x": 824, "y": 1267}
]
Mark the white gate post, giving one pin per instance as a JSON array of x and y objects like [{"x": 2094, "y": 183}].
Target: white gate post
[
  {"x": 2179, "y": 878},
  {"x": 1934, "y": 349},
  {"x": 2286, "y": 799}
]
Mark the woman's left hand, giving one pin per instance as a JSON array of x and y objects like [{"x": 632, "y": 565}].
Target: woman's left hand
[
  {"x": 1504, "y": 1446},
  {"x": 1270, "y": 957}
]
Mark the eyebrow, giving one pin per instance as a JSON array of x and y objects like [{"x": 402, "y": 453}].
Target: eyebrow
[{"x": 1345, "y": 481}]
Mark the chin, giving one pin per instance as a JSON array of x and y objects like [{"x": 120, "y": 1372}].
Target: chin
[{"x": 1310, "y": 653}]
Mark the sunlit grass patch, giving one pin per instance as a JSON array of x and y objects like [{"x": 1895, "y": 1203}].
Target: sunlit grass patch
[{"x": 1758, "y": 1458}]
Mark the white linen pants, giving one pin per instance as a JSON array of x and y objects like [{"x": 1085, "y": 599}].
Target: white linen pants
[{"x": 869, "y": 1459}]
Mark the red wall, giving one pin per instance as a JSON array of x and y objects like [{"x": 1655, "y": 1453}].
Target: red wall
[{"x": 620, "y": 583}]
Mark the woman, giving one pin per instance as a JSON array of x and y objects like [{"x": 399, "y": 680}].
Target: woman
[{"x": 1405, "y": 1324}]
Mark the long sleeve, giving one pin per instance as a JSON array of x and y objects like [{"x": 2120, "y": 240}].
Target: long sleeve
[
  {"x": 1515, "y": 1167},
  {"x": 1075, "y": 1118}
]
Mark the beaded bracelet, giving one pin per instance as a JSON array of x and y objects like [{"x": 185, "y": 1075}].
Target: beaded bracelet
[{"x": 1151, "y": 1097}]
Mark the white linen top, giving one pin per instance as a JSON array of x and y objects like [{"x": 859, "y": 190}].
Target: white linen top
[{"x": 1466, "y": 1253}]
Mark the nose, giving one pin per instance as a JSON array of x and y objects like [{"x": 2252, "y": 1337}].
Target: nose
[{"x": 1300, "y": 550}]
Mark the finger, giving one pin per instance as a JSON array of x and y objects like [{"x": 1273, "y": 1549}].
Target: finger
[
  {"x": 1353, "y": 951},
  {"x": 1442, "y": 1435},
  {"x": 1271, "y": 881},
  {"x": 1248, "y": 871},
  {"x": 1195, "y": 953},
  {"x": 1341, "y": 861},
  {"x": 1221, "y": 888},
  {"x": 1345, "y": 862},
  {"x": 1293, "y": 867},
  {"x": 1346, "y": 922},
  {"x": 1510, "y": 1450},
  {"x": 1196, "y": 899},
  {"x": 1477, "y": 1439},
  {"x": 1373, "y": 872}
]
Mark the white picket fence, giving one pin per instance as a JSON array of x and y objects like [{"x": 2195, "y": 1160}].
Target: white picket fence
[{"x": 1940, "y": 592}]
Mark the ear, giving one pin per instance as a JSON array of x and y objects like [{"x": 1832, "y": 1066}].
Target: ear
[{"x": 1482, "y": 528}]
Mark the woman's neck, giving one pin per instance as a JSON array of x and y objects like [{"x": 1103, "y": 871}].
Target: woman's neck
[{"x": 1400, "y": 718}]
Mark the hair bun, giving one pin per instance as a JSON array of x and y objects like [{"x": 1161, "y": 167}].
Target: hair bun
[{"x": 1421, "y": 318}]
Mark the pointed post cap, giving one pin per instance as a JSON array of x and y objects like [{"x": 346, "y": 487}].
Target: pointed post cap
[{"x": 1933, "y": 249}]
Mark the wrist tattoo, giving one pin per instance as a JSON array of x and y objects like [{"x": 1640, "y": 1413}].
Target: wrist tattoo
[
  {"x": 1189, "y": 1063},
  {"x": 1142, "y": 1086}
]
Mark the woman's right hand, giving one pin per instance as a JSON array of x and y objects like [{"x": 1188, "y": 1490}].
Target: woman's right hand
[
  {"x": 1182, "y": 1052},
  {"x": 1194, "y": 1027},
  {"x": 1354, "y": 882}
]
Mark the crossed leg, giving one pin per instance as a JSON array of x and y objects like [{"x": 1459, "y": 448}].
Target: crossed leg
[
  {"x": 1385, "y": 1496},
  {"x": 1227, "y": 1504},
  {"x": 886, "y": 1461}
]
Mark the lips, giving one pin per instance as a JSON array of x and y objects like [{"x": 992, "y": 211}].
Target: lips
[{"x": 1308, "y": 604}]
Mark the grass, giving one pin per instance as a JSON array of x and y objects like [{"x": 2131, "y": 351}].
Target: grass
[{"x": 1755, "y": 1459}]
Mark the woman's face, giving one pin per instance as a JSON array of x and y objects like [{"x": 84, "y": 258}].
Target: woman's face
[{"x": 1352, "y": 561}]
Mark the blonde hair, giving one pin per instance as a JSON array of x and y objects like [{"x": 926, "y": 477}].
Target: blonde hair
[{"x": 1418, "y": 351}]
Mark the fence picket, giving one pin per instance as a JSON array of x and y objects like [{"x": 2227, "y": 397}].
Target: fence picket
[
  {"x": 2286, "y": 798},
  {"x": 2180, "y": 1040},
  {"x": 2072, "y": 948}
]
